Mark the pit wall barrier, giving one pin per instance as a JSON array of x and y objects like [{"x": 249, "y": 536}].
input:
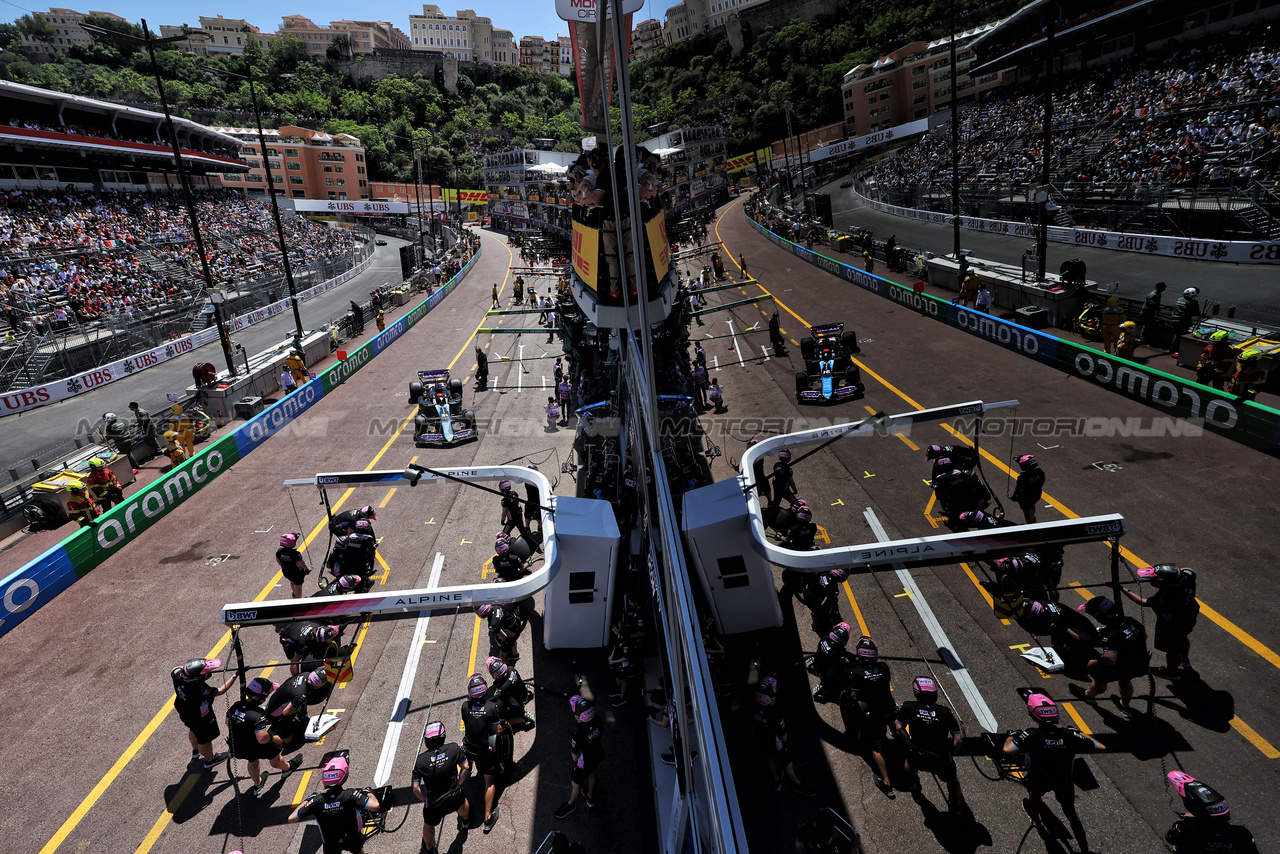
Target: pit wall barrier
[
  {"x": 26, "y": 590},
  {"x": 1248, "y": 423}
]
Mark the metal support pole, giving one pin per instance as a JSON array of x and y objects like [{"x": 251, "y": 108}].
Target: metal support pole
[
  {"x": 955, "y": 144},
  {"x": 1115, "y": 575},
  {"x": 417, "y": 190},
  {"x": 187, "y": 196},
  {"x": 1046, "y": 160},
  {"x": 275, "y": 212}
]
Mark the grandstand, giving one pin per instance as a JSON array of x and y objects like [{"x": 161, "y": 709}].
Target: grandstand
[
  {"x": 97, "y": 258},
  {"x": 1180, "y": 139}
]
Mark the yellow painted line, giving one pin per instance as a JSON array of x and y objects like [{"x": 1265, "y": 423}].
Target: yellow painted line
[
  {"x": 117, "y": 767},
  {"x": 1075, "y": 716},
  {"x": 1238, "y": 633},
  {"x": 857, "y": 612},
  {"x": 384, "y": 501},
  {"x": 982, "y": 590},
  {"x": 165, "y": 817},
  {"x": 910, "y": 444},
  {"x": 1253, "y": 738},
  {"x": 302, "y": 788}
]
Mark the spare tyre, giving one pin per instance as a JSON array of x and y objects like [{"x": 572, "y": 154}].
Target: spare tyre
[{"x": 415, "y": 391}]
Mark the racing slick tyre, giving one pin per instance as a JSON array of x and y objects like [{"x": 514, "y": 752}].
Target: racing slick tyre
[
  {"x": 802, "y": 382},
  {"x": 853, "y": 376},
  {"x": 419, "y": 427},
  {"x": 415, "y": 391},
  {"x": 806, "y": 349},
  {"x": 849, "y": 341},
  {"x": 455, "y": 387},
  {"x": 44, "y": 514},
  {"x": 469, "y": 417}
]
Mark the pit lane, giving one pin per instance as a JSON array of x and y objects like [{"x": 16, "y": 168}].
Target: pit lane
[{"x": 92, "y": 666}]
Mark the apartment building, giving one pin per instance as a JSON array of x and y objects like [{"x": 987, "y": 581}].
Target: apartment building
[
  {"x": 366, "y": 36},
  {"x": 912, "y": 82},
  {"x": 468, "y": 37},
  {"x": 226, "y": 35},
  {"x": 547, "y": 56},
  {"x": 66, "y": 26},
  {"x": 692, "y": 18},
  {"x": 305, "y": 164},
  {"x": 647, "y": 39}
]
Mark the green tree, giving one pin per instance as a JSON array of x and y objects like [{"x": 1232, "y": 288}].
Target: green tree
[
  {"x": 287, "y": 52},
  {"x": 36, "y": 28},
  {"x": 11, "y": 38},
  {"x": 340, "y": 48},
  {"x": 123, "y": 28}
]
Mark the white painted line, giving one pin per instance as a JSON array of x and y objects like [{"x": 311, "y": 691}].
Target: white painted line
[
  {"x": 736, "y": 349},
  {"x": 401, "y": 709},
  {"x": 520, "y": 373},
  {"x": 981, "y": 712},
  {"x": 765, "y": 350},
  {"x": 715, "y": 360}
]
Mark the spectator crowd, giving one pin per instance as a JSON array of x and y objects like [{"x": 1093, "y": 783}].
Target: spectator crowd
[
  {"x": 74, "y": 255},
  {"x": 1197, "y": 115}
]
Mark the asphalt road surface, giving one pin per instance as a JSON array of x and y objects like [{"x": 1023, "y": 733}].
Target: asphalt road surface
[
  {"x": 30, "y": 432},
  {"x": 101, "y": 761},
  {"x": 1253, "y": 288}
]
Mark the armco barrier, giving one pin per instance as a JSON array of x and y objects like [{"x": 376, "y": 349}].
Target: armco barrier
[
  {"x": 24, "y": 591},
  {"x": 1249, "y": 423}
]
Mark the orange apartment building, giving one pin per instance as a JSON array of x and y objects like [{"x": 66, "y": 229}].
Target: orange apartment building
[
  {"x": 366, "y": 36},
  {"x": 305, "y": 164},
  {"x": 912, "y": 82}
]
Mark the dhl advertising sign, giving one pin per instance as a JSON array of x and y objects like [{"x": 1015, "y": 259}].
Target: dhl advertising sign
[
  {"x": 475, "y": 197},
  {"x": 742, "y": 161},
  {"x": 764, "y": 156},
  {"x": 586, "y": 253}
]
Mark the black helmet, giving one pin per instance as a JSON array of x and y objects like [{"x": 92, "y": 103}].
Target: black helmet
[
  {"x": 1199, "y": 799},
  {"x": 867, "y": 649},
  {"x": 840, "y": 634},
  {"x": 497, "y": 668}
]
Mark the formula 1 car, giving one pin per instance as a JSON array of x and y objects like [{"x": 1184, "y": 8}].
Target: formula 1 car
[
  {"x": 441, "y": 420},
  {"x": 830, "y": 374}
]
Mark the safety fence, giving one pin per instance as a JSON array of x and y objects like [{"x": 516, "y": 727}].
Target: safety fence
[
  {"x": 26, "y": 590},
  {"x": 1247, "y": 422},
  {"x": 1189, "y": 248},
  {"x": 22, "y": 400}
]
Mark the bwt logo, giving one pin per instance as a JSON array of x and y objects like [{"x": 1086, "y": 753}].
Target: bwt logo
[
  {"x": 237, "y": 616},
  {"x": 1109, "y": 528},
  {"x": 326, "y": 480}
]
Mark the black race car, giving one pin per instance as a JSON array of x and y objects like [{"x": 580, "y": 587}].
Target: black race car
[
  {"x": 441, "y": 420},
  {"x": 830, "y": 374}
]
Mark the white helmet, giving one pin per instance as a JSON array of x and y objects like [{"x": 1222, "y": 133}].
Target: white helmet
[
  {"x": 1191, "y": 292},
  {"x": 109, "y": 416}
]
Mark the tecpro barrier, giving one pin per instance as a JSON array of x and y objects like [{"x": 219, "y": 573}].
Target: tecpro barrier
[
  {"x": 25, "y": 591},
  {"x": 1248, "y": 423}
]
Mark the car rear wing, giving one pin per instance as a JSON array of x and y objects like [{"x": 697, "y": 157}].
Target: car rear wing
[
  {"x": 434, "y": 376},
  {"x": 831, "y": 329}
]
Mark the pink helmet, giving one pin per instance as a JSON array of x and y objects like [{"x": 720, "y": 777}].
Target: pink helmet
[
  {"x": 258, "y": 689},
  {"x": 504, "y": 486},
  {"x": 1036, "y": 609},
  {"x": 1009, "y": 564},
  {"x": 840, "y": 633},
  {"x": 502, "y": 547},
  {"x": 934, "y": 452},
  {"x": 767, "y": 691},
  {"x": 1199, "y": 799},
  {"x": 289, "y": 540},
  {"x": 349, "y": 582},
  {"x": 1028, "y": 461},
  {"x": 433, "y": 734},
  {"x": 318, "y": 678},
  {"x": 199, "y": 668},
  {"x": 497, "y": 667},
  {"x": 484, "y": 610},
  {"x": 1042, "y": 709},
  {"x": 583, "y": 709},
  {"x": 804, "y": 514},
  {"x": 785, "y": 455},
  {"x": 1162, "y": 574},
  {"x": 363, "y": 526},
  {"x": 324, "y": 634},
  {"x": 867, "y": 649},
  {"x": 335, "y": 772},
  {"x": 367, "y": 512},
  {"x": 477, "y": 687},
  {"x": 838, "y": 574},
  {"x": 926, "y": 690}
]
